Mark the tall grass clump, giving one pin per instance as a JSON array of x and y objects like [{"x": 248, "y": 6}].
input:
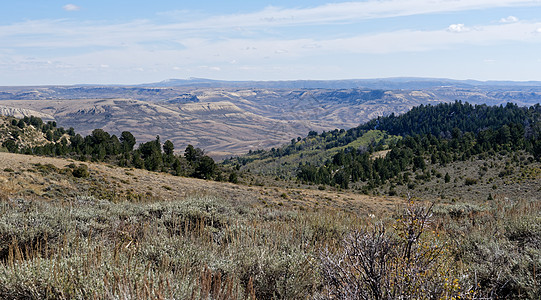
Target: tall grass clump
[{"x": 498, "y": 249}]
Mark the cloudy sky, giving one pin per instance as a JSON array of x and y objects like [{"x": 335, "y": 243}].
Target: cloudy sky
[{"x": 128, "y": 42}]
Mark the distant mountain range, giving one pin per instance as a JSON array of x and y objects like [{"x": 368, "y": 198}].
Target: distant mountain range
[{"x": 408, "y": 83}]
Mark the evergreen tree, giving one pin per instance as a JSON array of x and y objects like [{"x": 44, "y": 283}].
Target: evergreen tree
[
  {"x": 11, "y": 146},
  {"x": 98, "y": 137},
  {"x": 205, "y": 168},
  {"x": 190, "y": 154},
  {"x": 127, "y": 141},
  {"x": 114, "y": 147},
  {"x": 447, "y": 178},
  {"x": 138, "y": 162},
  {"x": 154, "y": 162},
  {"x": 168, "y": 147}
]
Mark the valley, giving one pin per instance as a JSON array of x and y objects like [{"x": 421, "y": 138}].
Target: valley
[
  {"x": 228, "y": 118},
  {"x": 270, "y": 150}
]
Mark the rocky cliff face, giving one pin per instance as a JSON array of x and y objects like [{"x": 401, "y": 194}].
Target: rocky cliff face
[{"x": 18, "y": 112}]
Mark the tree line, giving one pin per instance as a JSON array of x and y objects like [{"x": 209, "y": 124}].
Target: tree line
[
  {"x": 429, "y": 138},
  {"x": 100, "y": 146}
]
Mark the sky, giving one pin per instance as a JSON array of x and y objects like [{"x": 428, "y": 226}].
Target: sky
[{"x": 133, "y": 42}]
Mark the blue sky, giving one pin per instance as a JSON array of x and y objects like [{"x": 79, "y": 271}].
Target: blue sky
[{"x": 128, "y": 42}]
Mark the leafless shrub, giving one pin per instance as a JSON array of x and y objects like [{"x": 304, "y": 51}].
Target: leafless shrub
[
  {"x": 358, "y": 270},
  {"x": 407, "y": 263}
]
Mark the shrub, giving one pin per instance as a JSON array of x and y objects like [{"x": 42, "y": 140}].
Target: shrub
[
  {"x": 233, "y": 177},
  {"x": 81, "y": 171},
  {"x": 196, "y": 248},
  {"x": 470, "y": 181},
  {"x": 377, "y": 264},
  {"x": 501, "y": 252}
]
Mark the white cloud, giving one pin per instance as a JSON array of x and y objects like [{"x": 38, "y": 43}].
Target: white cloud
[
  {"x": 69, "y": 34},
  {"x": 210, "y": 68},
  {"x": 123, "y": 46},
  {"x": 345, "y": 12},
  {"x": 311, "y": 46},
  {"x": 411, "y": 41},
  {"x": 236, "y": 40},
  {"x": 510, "y": 19},
  {"x": 201, "y": 55},
  {"x": 71, "y": 7},
  {"x": 457, "y": 28}
]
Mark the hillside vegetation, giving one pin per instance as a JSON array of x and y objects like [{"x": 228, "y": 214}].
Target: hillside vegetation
[
  {"x": 313, "y": 149},
  {"x": 323, "y": 220},
  {"x": 448, "y": 144},
  {"x": 200, "y": 247},
  {"x": 21, "y": 136}
]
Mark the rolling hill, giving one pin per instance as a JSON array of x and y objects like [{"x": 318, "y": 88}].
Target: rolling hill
[
  {"x": 231, "y": 118},
  {"x": 456, "y": 151}
]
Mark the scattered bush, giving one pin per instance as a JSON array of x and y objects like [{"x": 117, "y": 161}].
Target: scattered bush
[
  {"x": 198, "y": 248},
  {"x": 470, "y": 181},
  {"x": 233, "y": 177},
  {"x": 81, "y": 171},
  {"x": 205, "y": 248}
]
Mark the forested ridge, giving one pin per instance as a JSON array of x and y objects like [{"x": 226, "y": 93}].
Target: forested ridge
[
  {"x": 440, "y": 120},
  {"x": 432, "y": 134},
  {"x": 436, "y": 135}
]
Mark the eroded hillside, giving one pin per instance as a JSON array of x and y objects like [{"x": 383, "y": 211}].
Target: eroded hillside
[{"x": 229, "y": 121}]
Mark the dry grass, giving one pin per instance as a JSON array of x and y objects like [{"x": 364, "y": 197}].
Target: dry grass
[
  {"x": 133, "y": 234},
  {"x": 184, "y": 249},
  {"x": 35, "y": 176},
  {"x": 515, "y": 176}
]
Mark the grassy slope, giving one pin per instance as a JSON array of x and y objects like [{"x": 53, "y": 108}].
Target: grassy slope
[
  {"x": 102, "y": 235},
  {"x": 224, "y": 242},
  {"x": 513, "y": 175},
  {"x": 316, "y": 153},
  {"x": 506, "y": 175},
  {"x": 47, "y": 178}
]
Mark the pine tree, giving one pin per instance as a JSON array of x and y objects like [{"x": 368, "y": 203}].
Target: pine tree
[
  {"x": 168, "y": 147},
  {"x": 447, "y": 178},
  {"x": 128, "y": 141}
]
